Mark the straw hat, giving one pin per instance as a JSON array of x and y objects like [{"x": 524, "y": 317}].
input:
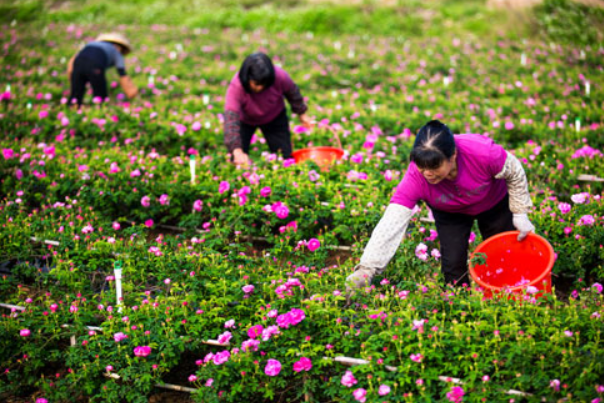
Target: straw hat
[{"x": 118, "y": 38}]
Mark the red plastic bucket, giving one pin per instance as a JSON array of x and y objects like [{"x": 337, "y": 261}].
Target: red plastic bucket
[
  {"x": 512, "y": 266},
  {"x": 322, "y": 156}
]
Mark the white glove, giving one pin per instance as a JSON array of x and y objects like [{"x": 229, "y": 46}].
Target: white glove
[
  {"x": 361, "y": 277},
  {"x": 523, "y": 224}
]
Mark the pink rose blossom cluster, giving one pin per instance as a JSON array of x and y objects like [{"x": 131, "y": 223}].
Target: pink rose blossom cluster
[
  {"x": 221, "y": 357},
  {"x": 303, "y": 364},
  {"x": 291, "y": 318},
  {"x": 270, "y": 332},
  {"x": 455, "y": 395},
  {"x": 250, "y": 345},
  {"x": 287, "y": 289},
  {"x": 242, "y": 194},
  {"x": 293, "y": 226}
]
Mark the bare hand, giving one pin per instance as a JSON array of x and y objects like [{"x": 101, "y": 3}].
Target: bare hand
[
  {"x": 241, "y": 158},
  {"x": 306, "y": 121},
  {"x": 128, "y": 87}
]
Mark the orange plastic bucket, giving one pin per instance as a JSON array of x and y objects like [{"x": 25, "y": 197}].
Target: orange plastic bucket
[
  {"x": 512, "y": 266},
  {"x": 322, "y": 156}
]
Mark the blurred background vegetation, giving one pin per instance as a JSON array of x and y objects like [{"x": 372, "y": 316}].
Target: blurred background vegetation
[{"x": 563, "y": 21}]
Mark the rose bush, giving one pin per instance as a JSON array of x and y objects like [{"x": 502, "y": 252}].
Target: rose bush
[{"x": 250, "y": 258}]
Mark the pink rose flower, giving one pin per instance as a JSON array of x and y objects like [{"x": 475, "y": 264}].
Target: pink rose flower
[
  {"x": 360, "y": 395},
  {"x": 383, "y": 390},
  {"x": 119, "y": 337},
  {"x": 280, "y": 210},
  {"x": 313, "y": 244},
  {"x": 265, "y": 191},
  {"x": 225, "y": 337},
  {"x": 456, "y": 394},
  {"x": 8, "y": 153},
  {"x": 348, "y": 379},
  {"x": 223, "y": 187},
  {"x": 164, "y": 200},
  {"x": 142, "y": 351},
  {"x": 255, "y": 331},
  {"x": 273, "y": 367},
  {"x": 24, "y": 332}
]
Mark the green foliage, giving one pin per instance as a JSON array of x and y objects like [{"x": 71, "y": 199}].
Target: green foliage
[
  {"x": 568, "y": 21},
  {"x": 182, "y": 286}
]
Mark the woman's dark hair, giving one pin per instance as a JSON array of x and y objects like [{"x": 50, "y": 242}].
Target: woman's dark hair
[
  {"x": 257, "y": 67},
  {"x": 433, "y": 145}
]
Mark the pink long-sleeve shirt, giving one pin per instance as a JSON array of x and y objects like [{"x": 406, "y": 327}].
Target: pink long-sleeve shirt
[{"x": 472, "y": 192}]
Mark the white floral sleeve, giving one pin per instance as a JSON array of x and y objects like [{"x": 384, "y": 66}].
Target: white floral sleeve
[
  {"x": 513, "y": 173},
  {"x": 386, "y": 237}
]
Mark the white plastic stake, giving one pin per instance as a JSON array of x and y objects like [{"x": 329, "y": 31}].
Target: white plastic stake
[
  {"x": 587, "y": 86},
  {"x": 192, "y": 168},
  {"x": 446, "y": 81},
  {"x": 151, "y": 79},
  {"x": 7, "y": 87},
  {"x": 578, "y": 124},
  {"x": 205, "y": 99},
  {"x": 523, "y": 59},
  {"x": 117, "y": 271}
]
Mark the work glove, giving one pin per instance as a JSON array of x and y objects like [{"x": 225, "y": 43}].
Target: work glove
[
  {"x": 523, "y": 224},
  {"x": 361, "y": 277}
]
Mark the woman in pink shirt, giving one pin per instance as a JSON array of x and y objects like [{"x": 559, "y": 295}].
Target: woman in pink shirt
[
  {"x": 463, "y": 178},
  {"x": 254, "y": 100}
]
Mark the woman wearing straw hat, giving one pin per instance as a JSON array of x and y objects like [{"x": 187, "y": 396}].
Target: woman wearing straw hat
[
  {"x": 254, "y": 100},
  {"x": 463, "y": 178},
  {"x": 90, "y": 63}
]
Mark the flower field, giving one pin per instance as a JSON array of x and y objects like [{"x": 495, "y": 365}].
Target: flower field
[{"x": 233, "y": 279}]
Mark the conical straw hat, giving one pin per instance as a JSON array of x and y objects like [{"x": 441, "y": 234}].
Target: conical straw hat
[{"x": 115, "y": 37}]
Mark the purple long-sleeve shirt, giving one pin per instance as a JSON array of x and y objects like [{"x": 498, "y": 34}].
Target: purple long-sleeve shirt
[{"x": 258, "y": 108}]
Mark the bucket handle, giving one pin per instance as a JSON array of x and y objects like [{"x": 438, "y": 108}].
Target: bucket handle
[{"x": 336, "y": 136}]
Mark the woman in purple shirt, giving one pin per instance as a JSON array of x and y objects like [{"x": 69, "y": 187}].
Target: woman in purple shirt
[
  {"x": 255, "y": 99},
  {"x": 461, "y": 178}
]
